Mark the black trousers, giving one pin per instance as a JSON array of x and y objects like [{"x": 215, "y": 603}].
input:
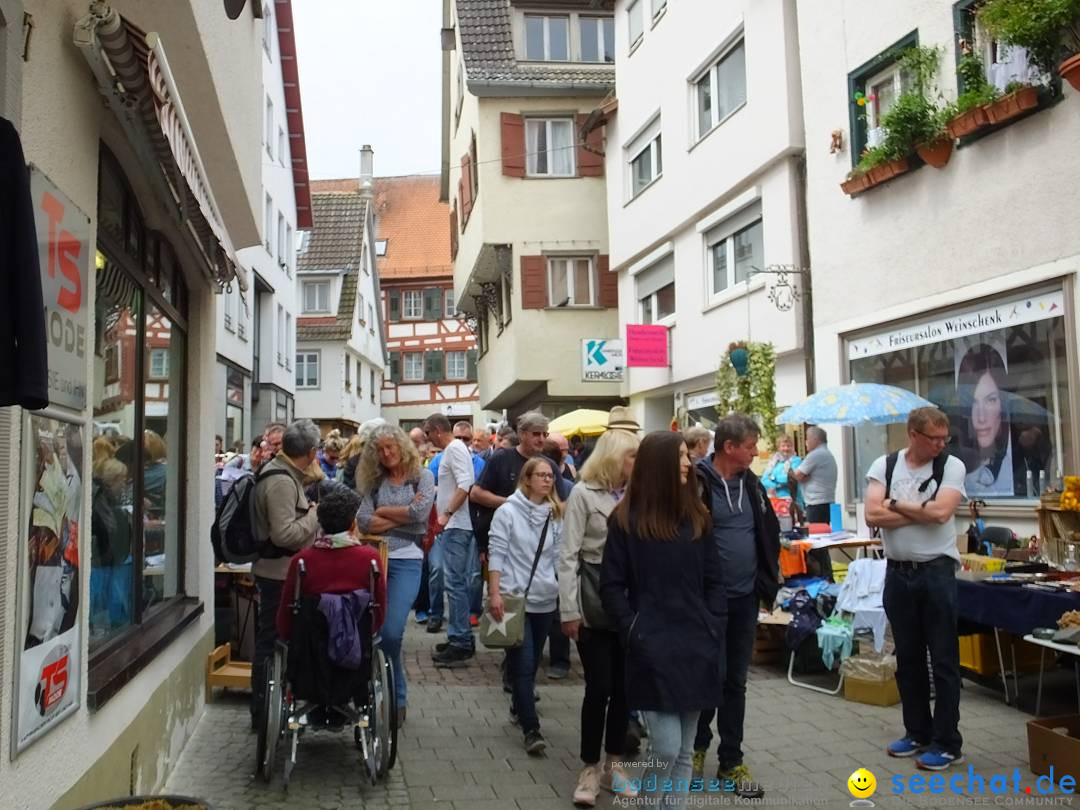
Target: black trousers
[
  {"x": 604, "y": 715},
  {"x": 265, "y": 637}
]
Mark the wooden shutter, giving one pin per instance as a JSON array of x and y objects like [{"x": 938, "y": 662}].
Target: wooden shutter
[
  {"x": 470, "y": 364},
  {"x": 589, "y": 163},
  {"x": 395, "y": 305},
  {"x": 608, "y": 283},
  {"x": 466, "y": 187},
  {"x": 533, "y": 282},
  {"x": 512, "y": 131},
  {"x": 433, "y": 366},
  {"x": 395, "y": 367},
  {"x": 432, "y": 304},
  {"x": 453, "y": 232}
]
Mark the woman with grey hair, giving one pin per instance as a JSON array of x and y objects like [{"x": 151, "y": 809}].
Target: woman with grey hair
[{"x": 397, "y": 495}]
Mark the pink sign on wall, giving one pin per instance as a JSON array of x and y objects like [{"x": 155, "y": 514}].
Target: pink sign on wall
[{"x": 647, "y": 346}]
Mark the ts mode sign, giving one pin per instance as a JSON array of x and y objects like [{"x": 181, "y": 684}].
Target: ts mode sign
[{"x": 601, "y": 360}]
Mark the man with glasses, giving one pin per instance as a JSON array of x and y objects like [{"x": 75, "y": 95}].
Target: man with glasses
[
  {"x": 912, "y": 500},
  {"x": 817, "y": 476}
]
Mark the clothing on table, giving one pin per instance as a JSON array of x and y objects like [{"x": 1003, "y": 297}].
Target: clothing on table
[
  {"x": 835, "y": 638},
  {"x": 405, "y": 540},
  {"x": 793, "y": 559},
  {"x": 861, "y": 595},
  {"x": 820, "y": 468}
]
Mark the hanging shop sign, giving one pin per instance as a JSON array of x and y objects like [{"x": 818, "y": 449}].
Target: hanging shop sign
[
  {"x": 647, "y": 346},
  {"x": 987, "y": 318},
  {"x": 601, "y": 360},
  {"x": 48, "y": 646},
  {"x": 63, "y": 234}
]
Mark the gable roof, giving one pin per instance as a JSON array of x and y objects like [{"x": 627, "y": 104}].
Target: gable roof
[
  {"x": 415, "y": 224},
  {"x": 336, "y": 243},
  {"x": 487, "y": 44}
]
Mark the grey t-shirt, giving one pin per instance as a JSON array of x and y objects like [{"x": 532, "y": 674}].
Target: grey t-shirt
[
  {"x": 820, "y": 467},
  {"x": 920, "y": 542},
  {"x": 733, "y": 529}
]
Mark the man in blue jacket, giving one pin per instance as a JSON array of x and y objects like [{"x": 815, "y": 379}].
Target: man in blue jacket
[{"x": 747, "y": 536}]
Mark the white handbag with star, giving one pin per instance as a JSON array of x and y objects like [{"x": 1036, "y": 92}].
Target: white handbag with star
[{"x": 510, "y": 632}]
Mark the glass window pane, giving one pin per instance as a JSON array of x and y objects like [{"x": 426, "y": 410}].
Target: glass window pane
[
  {"x": 659, "y": 152},
  {"x": 162, "y": 454},
  {"x": 731, "y": 82},
  {"x": 534, "y": 37},
  {"x": 558, "y": 39},
  {"x": 590, "y": 48},
  {"x": 582, "y": 282},
  {"x": 636, "y": 19},
  {"x": 609, "y": 40},
  {"x": 647, "y": 310},
  {"x": 665, "y": 301},
  {"x": 719, "y": 266},
  {"x": 642, "y": 170},
  {"x": 749, "y": 252},
  {"x": 561, "y": 149},
  {"x": 110, "y": 204},
  {"x": 112, "y": 534},
  {"x": 300, "y": 369},
  {"x": 658, "y": 6},
  {"x": 704, "y": 102},
  {"x": 560, "y": 290},
  {"x": 536, "y": 146}
]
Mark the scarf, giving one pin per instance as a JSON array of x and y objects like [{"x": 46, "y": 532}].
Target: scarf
[{"x": 338, "y": 540}]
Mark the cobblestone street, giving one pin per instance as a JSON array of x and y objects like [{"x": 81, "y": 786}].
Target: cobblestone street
[{"x": 458, "y": 750}]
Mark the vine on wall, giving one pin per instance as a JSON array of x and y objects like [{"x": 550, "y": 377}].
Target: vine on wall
[{"x": 754, "y": 393}]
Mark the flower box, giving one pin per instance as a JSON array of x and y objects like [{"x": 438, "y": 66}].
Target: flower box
[
  {"x": 967, "y": 123},
  {"x": 1009, "y": 107}
]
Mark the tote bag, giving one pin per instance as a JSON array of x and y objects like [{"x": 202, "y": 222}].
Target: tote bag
[{"x": 510, "y": 632}]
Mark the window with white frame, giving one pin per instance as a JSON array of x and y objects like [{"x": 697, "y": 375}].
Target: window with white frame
[
  {"x": 635, "y": 15},
  {"x": 571, "y": 281},
  {"x": 655, "y": 288},
  {"x": 371, "y": 318},
  {"x": 380, "y": 247},
  {"x": 290, "y": 250},
  {"x": 268, "y": 223},
  {"x": 547, "y": 38},
  {"x": 597, "y": 36},
  {"x": 282, "y": 344},
  {"x": 645, "y": 159},
  {"x": 455, "y": 366},
  {"x": 281, "y": 145},
  {"x": 316, "y": 296},
  {"x": 882, "y": 90},
  {"x": 269, "y": 127},
  {"x": 268, "y": 28},
  {"x": 549, "y": 143},
  {"x": 412, "y": 304},
  {"x": 159, "y": 364},
  {"x": 412, "y": 366},
  {"x": 228, "y": 308},
  {"x": 348, "y": 372},
  {"x": 657, "y": 7},
  {"x": 307, "y": 369},
  {"x": 360, "y": 310},
  {"x": 735, "y": 249},
  {"x": 281, "y": 238},
  {"x": 450, "y": 309},
  {"x": 721, "y": 89},
  {"x": 289, "y": 341},
  {"x": 460, "y": 94}
]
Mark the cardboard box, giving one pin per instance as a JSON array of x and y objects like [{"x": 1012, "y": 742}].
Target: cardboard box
[
  {"x": 978, "y": 653},
  {"x": 876, "y": 693},
  {"x": 769, "y": 645},
  {"x": 1048, "y": 748}
]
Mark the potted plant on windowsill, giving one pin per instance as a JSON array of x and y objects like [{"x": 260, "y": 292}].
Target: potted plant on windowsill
[
  {"x": 967, "y": 115},
  {"x": 1018, "y": 99},
  {"x": 1048, "y": 29}
]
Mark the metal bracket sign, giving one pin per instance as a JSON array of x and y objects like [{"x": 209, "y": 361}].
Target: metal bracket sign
[{"x": 602, "y": 360}]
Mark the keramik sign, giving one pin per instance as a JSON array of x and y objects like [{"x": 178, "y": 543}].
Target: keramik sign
[{"x": 602, "y": 360}]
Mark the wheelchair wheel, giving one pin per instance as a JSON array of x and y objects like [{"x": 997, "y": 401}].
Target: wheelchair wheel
[
  {"x": 384, "y": 702},
  {"x": 269, "y": 731},
  {"x": 391, "y": 690}
]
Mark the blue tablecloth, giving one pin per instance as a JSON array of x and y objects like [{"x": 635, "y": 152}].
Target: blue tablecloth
[{"x": 1011, "y": 607}]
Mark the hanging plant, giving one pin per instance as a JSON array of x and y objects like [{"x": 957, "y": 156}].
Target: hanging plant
[
  {"x": 739, "y": 357},
  {"x": 754, "y": 391}
]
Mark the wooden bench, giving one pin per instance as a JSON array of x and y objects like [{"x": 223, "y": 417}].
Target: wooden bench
[{"x": 222, "y": 671}]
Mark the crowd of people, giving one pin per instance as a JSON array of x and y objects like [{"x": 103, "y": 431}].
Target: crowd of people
[{"x": 653, "y": 555}]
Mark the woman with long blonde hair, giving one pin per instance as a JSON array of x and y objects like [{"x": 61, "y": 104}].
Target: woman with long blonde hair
[
  {"x": 397, "y": 495},
  {"x": 527, "y": 524}
]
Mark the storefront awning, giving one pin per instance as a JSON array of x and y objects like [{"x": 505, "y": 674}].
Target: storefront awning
[{"x": 134, "y": 77}]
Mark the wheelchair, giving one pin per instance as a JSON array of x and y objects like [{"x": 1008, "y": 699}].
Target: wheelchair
[{"x": 305, "y": 692}]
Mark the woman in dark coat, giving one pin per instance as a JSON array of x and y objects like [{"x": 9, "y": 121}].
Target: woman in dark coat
[{"x": 660, "y": 582}]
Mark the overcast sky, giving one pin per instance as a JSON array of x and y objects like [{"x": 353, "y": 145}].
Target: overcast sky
[{"x": 370, "y": 72}]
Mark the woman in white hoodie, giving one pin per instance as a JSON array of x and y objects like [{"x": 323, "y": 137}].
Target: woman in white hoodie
[{"x": 529, "y": 517}]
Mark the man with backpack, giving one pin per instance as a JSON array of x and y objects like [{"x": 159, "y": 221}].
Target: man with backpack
[
  {"x": 912, "y": 496},
  {"x": 287, "y": 522}
]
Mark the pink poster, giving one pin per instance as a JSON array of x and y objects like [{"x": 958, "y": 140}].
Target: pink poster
[{"x": 647, "y": 346}]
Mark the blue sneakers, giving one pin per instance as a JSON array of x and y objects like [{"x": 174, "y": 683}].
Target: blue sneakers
[
  {"x": 938, "y": 759},
  {"x": 905, "y": 747},
  {"x": 421, "y": 617}
]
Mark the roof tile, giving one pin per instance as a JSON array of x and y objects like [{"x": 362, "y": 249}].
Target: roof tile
[
  {"x": 415, "y": 224},
  {"x": 336, "y": 244}
]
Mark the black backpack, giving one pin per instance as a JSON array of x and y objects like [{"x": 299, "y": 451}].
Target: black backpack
[
  {"x": 936, "y": 475},
  {"x": 233, "y": 534}
]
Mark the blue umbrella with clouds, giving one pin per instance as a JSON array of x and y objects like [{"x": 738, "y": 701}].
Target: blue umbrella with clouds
[{"x": 854, "y": 404}]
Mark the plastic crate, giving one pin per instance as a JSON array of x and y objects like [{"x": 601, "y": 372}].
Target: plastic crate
[{"x": 979, "y": 654}]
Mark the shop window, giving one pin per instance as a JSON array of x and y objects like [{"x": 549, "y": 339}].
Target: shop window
[
  {"x": 136, "y": 514},
  {"x": 1000, "y": 372}
]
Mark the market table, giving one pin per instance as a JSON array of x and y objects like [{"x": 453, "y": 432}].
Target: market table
[
  {"x": 1013, "y": 608},
  {"x": 1068, "y": 649}
]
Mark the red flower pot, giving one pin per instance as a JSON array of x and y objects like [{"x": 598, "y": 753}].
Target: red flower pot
[
  {"x": 966, "y": 123},
  {"x": 937, "y": 154},
  {"x": 855, "y": 185},
  {"x": 1009, "y": 107},
  {"x": 1070, "y": 70},
  {"x": 887, "y": 171}
]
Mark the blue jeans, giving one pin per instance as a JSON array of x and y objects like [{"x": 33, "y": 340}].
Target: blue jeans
[
  {"x": 476, "y": 580},
  {"x": 671, "y": 740},
  {"x": 435, "y": 579},
  {"x": 739, "y": 647},
  {"x": 402, "y": 585},
  {"x": 522, "y": 663},
  {"x": 457, "y": 568},
  {"x": 920, "y": 603}
]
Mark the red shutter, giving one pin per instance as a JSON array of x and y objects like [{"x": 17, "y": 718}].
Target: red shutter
[
  {"x": 453, "y": 233},
  {"x": 512, "y": 127},
  {"x": 533, "y": 283},
  {"x": 467, "y": 187},
  {"x": 590, "y": 163},
  {"x": 609, "y": 284},
  {"x": 461, "y": 202}
]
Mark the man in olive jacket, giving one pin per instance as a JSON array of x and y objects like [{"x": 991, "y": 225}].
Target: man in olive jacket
[{"x": 287, "y": 521}]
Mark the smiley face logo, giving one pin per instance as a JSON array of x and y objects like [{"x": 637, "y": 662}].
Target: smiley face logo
[{"x": 862, "y": 784}]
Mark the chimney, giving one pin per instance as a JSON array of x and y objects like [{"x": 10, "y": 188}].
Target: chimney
[{"x": 367, "y": 171}]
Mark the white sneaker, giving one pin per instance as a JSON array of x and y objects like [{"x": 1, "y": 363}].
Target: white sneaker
[
  {"x": 588, "y": 786},
  {"x": 612, "y": 776}
]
